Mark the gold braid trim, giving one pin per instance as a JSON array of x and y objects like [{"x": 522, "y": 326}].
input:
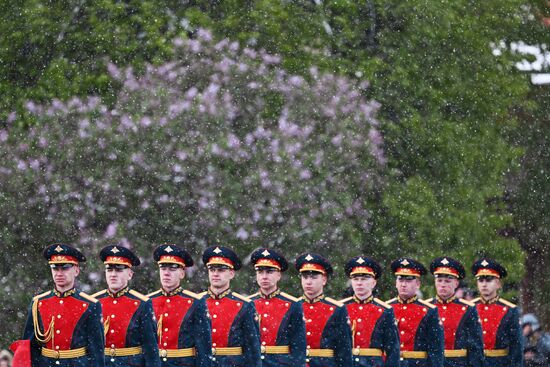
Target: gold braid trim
[
  {"x": 48, "y": 333},
  {"x": 353, "y": 330},
  {"x": 159, "y": 327},
  {"x": 106, "y": 324}
]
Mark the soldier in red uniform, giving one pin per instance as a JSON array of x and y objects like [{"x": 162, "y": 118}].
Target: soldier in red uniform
[
  {"x": 282, "y": 327},
  {"x": 502, "y": 338},
  {"x": 374, "y": 332},
  {"x": 328, "y": 332},
  {"x": 235, "y": 333},
  {"x": 182, "y": 317},
  {"x": 64, "y": 325},
  {"x": 130, "y": 327},
  {"x": 461, "y": 327},
  {"x": 420, "y": 330}
]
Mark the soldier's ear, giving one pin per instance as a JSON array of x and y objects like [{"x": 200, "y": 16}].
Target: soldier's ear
[{"x": 77, "y": 270}]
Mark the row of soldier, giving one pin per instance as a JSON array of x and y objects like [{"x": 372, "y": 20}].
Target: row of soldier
[{"x": 175, "y": 327}]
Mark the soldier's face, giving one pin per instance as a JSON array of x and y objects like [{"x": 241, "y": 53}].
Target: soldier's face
[
  {"x": 64, "y": 277},
  {"x": 407, "y": 288},
  {"x": 118, "y": 279},
  {"x": 313, "y": 284},
  {"x": 363, "y": 285},
  {"x": 268, "y": 279},
  {"x": 488, "y": 286},
  {"x": 170, "y": 277},
  {"x": 220, "y": 278},
  {"x": 445, "y": 287}
]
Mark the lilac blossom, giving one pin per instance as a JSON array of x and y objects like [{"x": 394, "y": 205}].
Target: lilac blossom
[{"x": 198, "y": 149}]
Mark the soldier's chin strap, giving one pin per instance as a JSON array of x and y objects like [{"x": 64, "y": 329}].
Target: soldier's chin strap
[{"x": 47, "y": 335}]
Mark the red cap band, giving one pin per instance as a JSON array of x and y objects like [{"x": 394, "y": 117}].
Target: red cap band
[
  {"x": 447, "y": 271},
  {"x": 407, "y": 272},
  {"x": 362, "y": 270},
  {"x": 313, "y": 267},
  {"x": 487, "y": 272},
  {"x": 62, "y": 259},
  {"x": 171, "y": 259},
  {"x": 270, "y": 263},
  {"x": 218, "y": 260},
  {"x": 118, "y": 260}
]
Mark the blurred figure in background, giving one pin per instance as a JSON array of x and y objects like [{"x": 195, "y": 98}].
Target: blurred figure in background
[
  {"x": 5, "y": 358},
  {"x": 536, "y": 342}
]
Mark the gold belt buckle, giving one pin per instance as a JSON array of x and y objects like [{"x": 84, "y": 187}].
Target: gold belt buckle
[
  {"x": 262, "y": 349},
  {"x": 113, "y": 352},
  {"x": 57, "y": 354},
  {"x": 163, "y": 353}
]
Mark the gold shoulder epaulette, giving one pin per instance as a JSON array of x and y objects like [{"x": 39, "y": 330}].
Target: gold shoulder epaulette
[
  {"x": 476, "y": 300},
  {"x": 391, "y": 300},
  {"x": 191, "y": 294},
  {"x": 41, "y": 295},
  {"x": 430, "y": 300},
  {"x": 427, "y": 303},
  {"x": 88, "y": 297},
  {"x": 290, "y": 297},
  {"x": 466, "y": 302},
  {"x": 334, "y": 302},
  {"x": 382, "y": 303},
  {"x": 202, "y": 294},
  {"x": 240, "y": 296},
  {"x": 254, "y": 295},
  {"x": 154, "y": 293},
  {"x": 99, "y": 293},
  {"x": 507, "y": 303},
  {"x": 138, "y": 295},
  {"x": 346, "y": 299}
]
